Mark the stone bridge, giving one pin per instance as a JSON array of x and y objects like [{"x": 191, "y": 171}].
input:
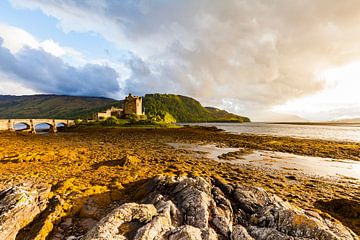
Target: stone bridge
[{"x": 9, "y": 124}]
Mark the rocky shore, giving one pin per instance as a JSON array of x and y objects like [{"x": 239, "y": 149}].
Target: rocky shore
[{"x": 72, "y": 185}]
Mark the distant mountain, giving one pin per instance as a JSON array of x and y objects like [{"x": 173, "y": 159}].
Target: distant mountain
[
  {"x": 283, "y": 117},
  {"x": 186, "y": 109},
  {"x": 52, "y": 106},
  {"x": 347, "y": 120}
]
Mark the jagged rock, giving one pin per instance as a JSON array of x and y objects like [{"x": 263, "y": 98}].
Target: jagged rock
[
  {"x": 19, "y": 205},
  {"x": 192, "y": 208},
  {"x": 168, "y": 216},
  {"x": 185, "y": 232},
  {"x": 108, "y": 227},
  {"x": 87, "y": 223},
  {"x": 240, "y": 233}
]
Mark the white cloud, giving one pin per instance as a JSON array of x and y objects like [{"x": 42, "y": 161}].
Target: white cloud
[
  {"x": 257, "y": 53},
  {"x": 16, "y": 39},
  {"x": 41, "y": 71},
  {"x": 11, "y": 86}
]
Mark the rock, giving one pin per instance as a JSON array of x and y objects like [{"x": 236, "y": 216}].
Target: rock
[
  {"x": 193, "y": 197},
  {"x": 168, "y": 216},
  {"x": 108, "y": 227},
  {"x": 87, "y": 223},
  {"x": 185, "y": 232},
  {"x": 240, "y": 233},
  {"x": 89, "y": 211},
  {"x": 58, "y": 236},
  {"x": 74, "y": 238},
  {"x": 192, "y": 208},
  {"x": 19, "y": 205},
  {"x": 67, "y": 222},
  {"x": 129, "y": 160}
]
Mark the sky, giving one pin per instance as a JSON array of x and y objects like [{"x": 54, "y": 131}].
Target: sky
[{"x": 271, "y": 60}]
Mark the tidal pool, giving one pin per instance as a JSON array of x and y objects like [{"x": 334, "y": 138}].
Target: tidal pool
[{"x": 324, "y": 167}]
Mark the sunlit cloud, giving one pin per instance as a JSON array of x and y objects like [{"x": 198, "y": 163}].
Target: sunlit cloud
[
  {"x": 339, "y": 97},
  {"x": 247, "y": 56}
]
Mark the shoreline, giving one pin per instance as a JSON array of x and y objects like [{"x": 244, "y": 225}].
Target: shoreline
[
  {"x": 335, "y": 124},
  {"x": 83, "y": 162}
]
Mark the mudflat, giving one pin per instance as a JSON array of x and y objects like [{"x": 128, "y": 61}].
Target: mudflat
[{"x": 112, "y": 162}]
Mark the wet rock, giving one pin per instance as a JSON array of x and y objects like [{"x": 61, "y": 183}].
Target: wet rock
[
  {"x": 19, "y": 205},
  {"x": 192, "y": 208}
]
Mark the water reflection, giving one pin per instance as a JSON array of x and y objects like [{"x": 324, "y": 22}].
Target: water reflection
[
  {"x": 42, "y": 128},
  {"x": 21, "y": 126},
  {"x": 280, "y": 161}
]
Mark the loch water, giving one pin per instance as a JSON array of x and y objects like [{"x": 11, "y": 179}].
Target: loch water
[{"x": 326, "y": 132}]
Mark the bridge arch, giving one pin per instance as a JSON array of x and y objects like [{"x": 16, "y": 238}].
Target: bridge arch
[
  {"x": 21, "y": 126},
  {"x": 10, "y": 124},
  {"x": 27, "y": 122},
  {"x": 61, "y": 124},
  {"x": 44, "y": 127}
]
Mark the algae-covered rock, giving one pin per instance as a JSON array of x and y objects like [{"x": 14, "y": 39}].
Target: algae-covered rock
[
  {"x": 19, "y": 205},
  {"x": 129, "y": 160},
  {"x": 193, "y": 208}
]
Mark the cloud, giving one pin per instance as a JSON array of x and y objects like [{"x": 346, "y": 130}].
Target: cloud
[
  {"x": 16, "y": 39},
  {"x": 12, "y": 86},
  {"x": 257, "y": 53},
  {"x": 44, "y": 72}
]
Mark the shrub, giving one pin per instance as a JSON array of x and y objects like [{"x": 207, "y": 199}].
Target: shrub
[{"x": 110, "y": 121}]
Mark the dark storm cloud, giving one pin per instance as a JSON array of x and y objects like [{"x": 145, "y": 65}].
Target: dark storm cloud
[{"x": 44, "y": 72}]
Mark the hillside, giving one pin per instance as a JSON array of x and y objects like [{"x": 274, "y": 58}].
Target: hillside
[
  {"x": 186, "y": 109},
  {"x": 52, "y": 106},
  {"x": 183, "y": 109}
]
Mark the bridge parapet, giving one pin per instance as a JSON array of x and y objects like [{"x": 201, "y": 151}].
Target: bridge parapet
[{"x": 9, "y": 124}]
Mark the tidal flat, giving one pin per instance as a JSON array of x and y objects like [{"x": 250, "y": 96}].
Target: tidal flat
[{"x": 100, "y": 167}]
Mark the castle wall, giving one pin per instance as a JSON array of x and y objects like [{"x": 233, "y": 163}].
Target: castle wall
[{"x": 133, "y": 105}]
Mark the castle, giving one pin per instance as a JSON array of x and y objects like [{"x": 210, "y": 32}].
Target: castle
[{"x": 132, "y": 105}]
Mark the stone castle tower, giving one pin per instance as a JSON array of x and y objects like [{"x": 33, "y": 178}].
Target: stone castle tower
[{"x": 132, "y": 105}]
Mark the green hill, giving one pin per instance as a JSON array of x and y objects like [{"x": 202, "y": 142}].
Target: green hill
[
  {"x": 52, "y": 106},
  {"x": 183, "y": 109},
  {"x": 186, "y": 109}
]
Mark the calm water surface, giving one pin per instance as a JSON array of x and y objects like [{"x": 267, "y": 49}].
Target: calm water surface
[
  {"x": 287, "y": 162},
  {"x": 337, "y": 133}
]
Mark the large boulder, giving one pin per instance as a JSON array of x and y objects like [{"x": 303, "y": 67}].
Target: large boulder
[
  {"x": 19, "y": 205},
  {"x": 192, "y": 208}
]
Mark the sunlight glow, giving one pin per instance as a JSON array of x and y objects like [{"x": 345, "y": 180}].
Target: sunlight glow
[{"x": 342, "y": 86}]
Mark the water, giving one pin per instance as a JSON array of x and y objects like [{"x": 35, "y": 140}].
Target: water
[
  {"x": 291, "y": 163},
  {"x": 42, "y": 127},
  {"x": 337, "y": 133}
]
